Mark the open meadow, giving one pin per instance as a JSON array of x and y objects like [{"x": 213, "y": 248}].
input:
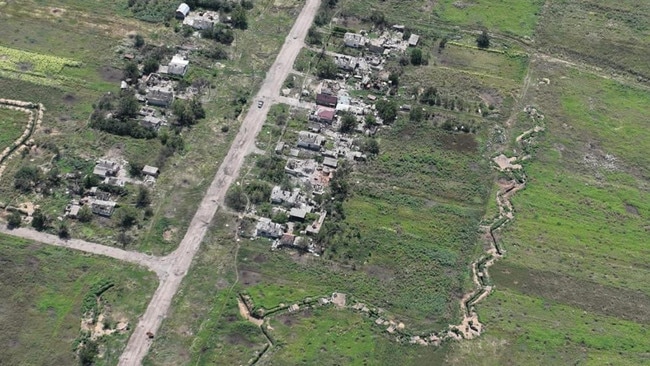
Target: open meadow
[{"x": 44, "y": 291}]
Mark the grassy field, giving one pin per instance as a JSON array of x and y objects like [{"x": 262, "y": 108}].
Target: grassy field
[
  {"x": 42, "y": 290},
  {"x": 509, "y": 16},
  {"x": 12, "y": 124},
  {"x": 611, "y": 35}
]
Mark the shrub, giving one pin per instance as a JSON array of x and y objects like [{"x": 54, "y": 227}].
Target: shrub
[
  {"x": 27, "y": 178},
  {"x": 85, "y": 214},
  {"x": 483, "y": 40},
  {"x": 39, "y": 220},
  {"x": 236, "y": 198},
  {"x": 14, "y": 220}
]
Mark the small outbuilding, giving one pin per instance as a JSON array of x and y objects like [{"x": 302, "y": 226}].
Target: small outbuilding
[
  {"x": 182, "y": 11},
  {"x": 178, "y": 66},
  {"x": 150, "y": 170}
]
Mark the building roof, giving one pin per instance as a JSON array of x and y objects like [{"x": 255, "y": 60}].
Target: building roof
[
  {"x": 354, "y": 40},
  {"x": 326, "y": 100},
  {"x": 150, "y": 170},
  {"x": 183, "y": 9},
  {"x": 330, "y": 162},
  {"x": 326, "y": 114},
  {"x": 298, "y": 213},
  {"x": 413, "y": 40},
  {"x": 178, "y": 65}
]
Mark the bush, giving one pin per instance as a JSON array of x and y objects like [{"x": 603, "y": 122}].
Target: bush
[
  {"x": 14, "y": 220},
  {"x": 314, "y": 37},
  {"x": 258, "y": 192},
  {"x": 326, "y": 68},
  {"x": 239, "y": 18},
  {"x": 150, "y": 65},
  {"x": 483, "y": 40},
  {"x": 131, "y": 71},
  {"x": 128, "y": 217},
  {"x": 85, "y": 214},
  {"x": 387, "y": 110},
  {"x": 144, "y": 198},
  {"x": 348, "y": 124},
  {"x": 27, "y": 178},
  {"x": 416, "y": 57},
  {"x": 236, "y": 198},
  {"x": 64, "y": 231},
  {"x": 39, "y": 220},
  {"x": 138, "y": 41},
  {"x": 370, "y": 146}
]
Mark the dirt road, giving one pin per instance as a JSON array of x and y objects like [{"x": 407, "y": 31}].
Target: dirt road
[
  {"x": 155, "y": 264},
  {"x": 181, "y": 259}
]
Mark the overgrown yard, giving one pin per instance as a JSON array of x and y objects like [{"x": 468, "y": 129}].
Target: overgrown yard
[
  {"x": 12, "y": 125},
  {"x": 43, "y": 289}
]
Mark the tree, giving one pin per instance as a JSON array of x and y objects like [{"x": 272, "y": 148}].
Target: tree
[
  {"x": 144, "y": 198},
  {"x": 348, "y": 123},
  {"x": 128, "y": 217},
  {"x": 236, "y": 198},
  {"x": 415, "y": 115},
  {"x": 85, "y": 214},
  {"x": 91, "y": 180},
  {"x": 429, "y": 96},
  {"x": 442, "y": 44},
  {"x": 378, "y": 18},
  {"x": 326, "y": 68},
  {"x": 197, "y": 108},
  {"x": 26, "y": 178},
  {"x": 39, "y": 220},
  {"x": 387, "y": 110},
  {"x": 416, "y": 57},
  {"x": 150, "y": 65},
  {"x": 14, "y": 220},
  {"x": 131, "y": 71},
  {"x": 223, "y": 35},
  {"x": 64, "y": 231},
  {"x": 393, "y": 77},
  {"x": 483, "y": 40},
  {"x": 138, "y": 41},
  {"x": 314, "y": 37},
  {"x": 239, "y": 18},
  {"x": 370, "y": 121},
  {"x": 88, "y": 353},
  {"x": 127, "y": 106},
  {"x": 135, "y": 167},
  {"x": 247, "y": 4},
  {"x": 370, "y": 146}
]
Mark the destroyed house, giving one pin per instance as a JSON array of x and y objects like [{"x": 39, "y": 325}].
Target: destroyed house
[
  {"x": 310, "y": 141},
  {"x": 354, "y": 40},
  {"x": 178, "y": 66},
  {"x": 161, "y": 96},
  {"x": 106, "y": 168},
  {"x": 323, "y": 115},
  {"x": 268, "y": 229},
  {"x": 280, "y": 196},
  {"x": 326, "y": 100},
  {"x": 103, "y": 208}
]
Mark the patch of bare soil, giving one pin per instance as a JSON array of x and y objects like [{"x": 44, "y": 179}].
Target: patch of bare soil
[
  {"x": 25, "y": 66},
  {"x": 461, "y": 142},
  {"x": 631, "y": 209},
  {"x": 57, "y": 12},
  {"x": 69, "y": 98},
  {"x": 243, "y": 311},
  {"x": 222, "y": 284},
  {"x": 379, "y": 272},
  {"x": 168, "y": 234},
  {"x": 260, "y": 258},
  {"x": 111, "y": 74},
  {"x": 249, "y": 278}
]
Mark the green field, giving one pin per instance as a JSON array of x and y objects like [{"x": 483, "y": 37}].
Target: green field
[
  {"x": 517, "y": 17},
  {"x": 42, "y": 290},
  {"x": 12, "y": 124}
]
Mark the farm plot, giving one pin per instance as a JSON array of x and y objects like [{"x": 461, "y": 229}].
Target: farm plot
[{"x": 12, "y": 124}]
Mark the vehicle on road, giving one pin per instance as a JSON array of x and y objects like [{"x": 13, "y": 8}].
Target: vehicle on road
[{"x": 260, "y": 104}]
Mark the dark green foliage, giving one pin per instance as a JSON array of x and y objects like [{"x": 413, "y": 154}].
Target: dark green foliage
[
  {"x": 220, "y": 33},
  {"x": 247, "y": 4},
  {"x": 416, "y": 57},
  {"x": 326, "y": 68},
  {"x": 348, "y": 123},
  {"x": 370, "y": 121},
  {"x": 378, "y": 18},
  {"x": 271, "y": 168},
  {"x": 127, "y": 105},
  {"x": 239, "y": 18},
  {"x": 429, "y": 96},
  {"x": 393, "y": 77},
  {"x": 127, "y": 217},
  {"x": 443, "y": 43},
  {"x": 89, "y": 303},
  {"x": 483, "y": 40},
  {"x": 63, "y": 231},
  {"x": 150, "y": 65},
  {"x": 85, "y": 214},
  {"x": 144, "y": 197},
  {"x": 88, "y": 353},
  {"x": 91, "y": 180},
  {"x": 387, "y": 110},
  {"x": 314, "y": 37},
  {"x": 27, "y": 177},
  {"x": 39, "y": 220},
  {"x": 216, "y": 53},
  {"x": 138, "y": 41},
  {"x": 415, "y": 115},
  {"x": 258, "y": 191},
  {"x": 135, "y": 168},
  {"x": 120, "y": 127},
  {"x": 131, "y": 70},
  {"x": 236, "y": 198},
  {"x": 188, "y": 112},
  {"x": 53, "y": 177},
  {"x": 14, "y": 220},
  {"x": 370, "y": 146}
]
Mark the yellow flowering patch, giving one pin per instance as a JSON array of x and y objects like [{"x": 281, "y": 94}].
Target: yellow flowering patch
[{"x": 23, "y": 61}]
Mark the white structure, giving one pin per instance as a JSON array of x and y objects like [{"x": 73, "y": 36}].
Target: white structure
[
  {"x": 182, "y": 11},
  {"x": 178, "y": 66}
]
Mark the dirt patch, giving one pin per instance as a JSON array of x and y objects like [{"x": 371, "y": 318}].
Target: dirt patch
[
  {"x": 238, "y": 339},
  {"x": 286, "y": 319},
  {"x": 69, "y": 98},
  {"x": 111, "y": 74},
  {"x": 25, "y": 66},
  {"x": 168, "y": 234},
  {"x": 222, "y": 284},
  {"x": 461, "y": 142},
  {"x": 379, "y": 272},
  {"x": 260, "y": 258},
  {"x": 243, "y": 311},
  {"x": 250, "y": 278},
  {"x": 57, "y": 12},
  {"x": 631, "y": 209}
]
